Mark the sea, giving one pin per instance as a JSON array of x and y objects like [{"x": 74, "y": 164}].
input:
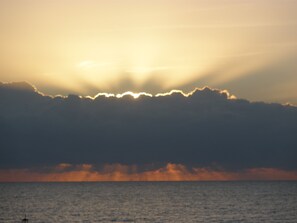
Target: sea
[{"x": 156, "y": 202}]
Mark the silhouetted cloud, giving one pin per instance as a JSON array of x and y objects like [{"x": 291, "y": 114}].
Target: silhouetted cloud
[{"x": 206, "y": 128}]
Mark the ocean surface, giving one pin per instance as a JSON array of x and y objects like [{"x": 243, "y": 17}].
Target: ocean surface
[{"x": 157, "y": 202}]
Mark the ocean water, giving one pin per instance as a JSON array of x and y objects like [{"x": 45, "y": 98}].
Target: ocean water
[{"x": 156, "y": 202}]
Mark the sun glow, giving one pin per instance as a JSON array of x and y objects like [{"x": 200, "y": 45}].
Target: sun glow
[
  {"x": 134, "y": 95},
  {"x": 149, "y": 47},
  {"x": 128, "y": 93},
  {"x": 174, "y": 91},
  {"x": 87, "y": 64}
]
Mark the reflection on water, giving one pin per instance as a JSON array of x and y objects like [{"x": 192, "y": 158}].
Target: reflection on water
[{"x": 149, "y": 202}]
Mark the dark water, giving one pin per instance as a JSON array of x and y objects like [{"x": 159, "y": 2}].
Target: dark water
[{"x": 150, "y": 202}]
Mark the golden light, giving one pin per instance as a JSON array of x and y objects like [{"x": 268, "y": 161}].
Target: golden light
[
  {"x": 134, "y": 95},
  {"x": 140, "y": 46},
  {"x": 128, "y": 93},
  {"x": 87, "y": 64}
]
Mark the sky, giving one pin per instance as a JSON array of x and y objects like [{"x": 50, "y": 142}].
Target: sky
[
  {"x": 136, "y": 90},
  {"x": 91, "y": 46}
]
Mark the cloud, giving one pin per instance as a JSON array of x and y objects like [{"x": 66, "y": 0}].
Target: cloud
[{"x": 206, "y": 128}]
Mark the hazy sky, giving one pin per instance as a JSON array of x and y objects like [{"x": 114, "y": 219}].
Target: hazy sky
[{"x": 89, "y": 46}]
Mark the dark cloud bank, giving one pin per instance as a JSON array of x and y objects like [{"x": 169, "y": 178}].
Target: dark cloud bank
[{"x": 206, "y": 129}]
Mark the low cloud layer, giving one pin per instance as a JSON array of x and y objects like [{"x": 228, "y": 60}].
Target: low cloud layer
[{"x": 206, "y": 128}]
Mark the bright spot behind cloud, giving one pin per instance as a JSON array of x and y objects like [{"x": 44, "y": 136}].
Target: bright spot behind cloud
[{"x": 151, "y": 46}]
